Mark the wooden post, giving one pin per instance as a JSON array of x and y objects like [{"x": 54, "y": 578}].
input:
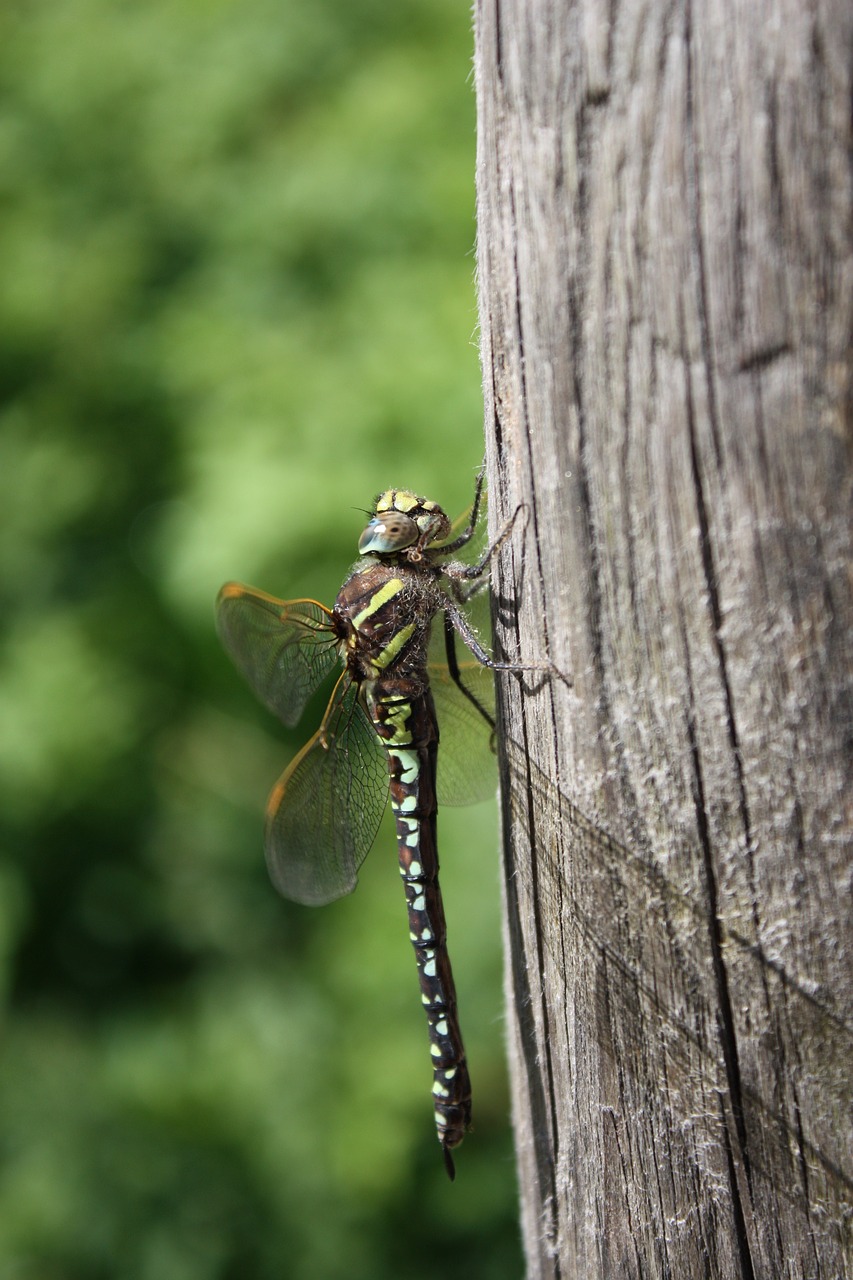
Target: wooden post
[{"x": 666, "y": 283}]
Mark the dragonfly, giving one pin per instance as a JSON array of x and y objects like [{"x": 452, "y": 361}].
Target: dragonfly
[{"x": 380, "y": 734}]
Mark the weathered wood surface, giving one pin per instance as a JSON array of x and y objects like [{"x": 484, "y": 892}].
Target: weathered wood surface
[{"x": 666, "y": 299}]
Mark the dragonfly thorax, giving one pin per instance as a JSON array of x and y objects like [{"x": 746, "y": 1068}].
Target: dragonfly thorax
[{"x": 383, "y": 614}]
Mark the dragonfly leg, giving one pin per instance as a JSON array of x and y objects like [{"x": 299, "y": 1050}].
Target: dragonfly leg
[
  {"x": 460, "y": 624},
  {"x": 463, "y": 629},
  {"x": 476, "y": 571},
  {"x": 468, "y": 533},
  {"x": 456, "y": 674}
]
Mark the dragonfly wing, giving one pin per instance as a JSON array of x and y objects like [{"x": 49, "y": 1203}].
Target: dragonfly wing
[
  {"x": 325, "y": 810},
  {"x": 467, "y": 764},
  {"x": 283, "y": 648}
]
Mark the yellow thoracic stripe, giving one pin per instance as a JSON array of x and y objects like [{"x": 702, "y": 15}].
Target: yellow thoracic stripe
[
  {"x": 392, "y": 588},
  {"x": 393, "y": 647}
]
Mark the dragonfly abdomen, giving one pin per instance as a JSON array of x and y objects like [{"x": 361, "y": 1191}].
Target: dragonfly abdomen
[{"x": 408, "y": 728}]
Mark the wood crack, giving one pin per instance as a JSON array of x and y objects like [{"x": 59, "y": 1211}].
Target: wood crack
[{"x": 549, "y": 1170}]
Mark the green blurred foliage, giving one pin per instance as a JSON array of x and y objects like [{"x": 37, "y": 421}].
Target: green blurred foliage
[{"x": 237, "y": 299}]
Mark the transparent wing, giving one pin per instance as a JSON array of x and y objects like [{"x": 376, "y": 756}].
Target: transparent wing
[
  {"x": 325, "y": 810},
  {"x": 467, "y": 763},
  {"x": 284, "y": 648},
  {"x": 464, "y": 694}
]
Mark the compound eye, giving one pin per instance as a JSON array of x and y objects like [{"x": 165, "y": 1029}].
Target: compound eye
[{"x": 391, "y": 531}]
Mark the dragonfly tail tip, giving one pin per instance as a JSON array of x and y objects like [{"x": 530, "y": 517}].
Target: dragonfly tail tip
[{"x": 448, "y": 1163}]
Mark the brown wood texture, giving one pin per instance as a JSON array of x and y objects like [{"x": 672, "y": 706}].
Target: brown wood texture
[{"x": 666, "y": 281}]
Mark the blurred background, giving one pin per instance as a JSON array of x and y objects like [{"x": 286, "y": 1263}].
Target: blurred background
[{"x": 236, "y": 300}]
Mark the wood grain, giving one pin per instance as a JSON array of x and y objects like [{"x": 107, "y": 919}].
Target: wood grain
[{"x": 666, "y": 307}]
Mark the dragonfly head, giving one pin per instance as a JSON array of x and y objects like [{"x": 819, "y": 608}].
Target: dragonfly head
[{"x": 402, "y": 521}]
